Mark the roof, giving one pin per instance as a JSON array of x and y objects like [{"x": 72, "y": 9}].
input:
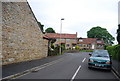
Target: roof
[
  {"x": 90, "y": 40},
  {"x": 63, "y": 36}
]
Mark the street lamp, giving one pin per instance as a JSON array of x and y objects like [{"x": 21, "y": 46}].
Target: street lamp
[{"x": 60, "y": 34}]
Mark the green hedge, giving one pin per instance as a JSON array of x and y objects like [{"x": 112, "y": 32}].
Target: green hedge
[
  {"x": 55, "y": 51},
  {"x": 87, "y": 50},
  {"x": 114, "y": 51}
]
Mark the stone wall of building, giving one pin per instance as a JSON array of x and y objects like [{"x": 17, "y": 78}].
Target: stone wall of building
[{"x": 22, "y": 39}]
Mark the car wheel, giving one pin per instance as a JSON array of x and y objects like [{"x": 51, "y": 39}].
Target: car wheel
[
  {"x": 109, "y": 70},
  {"x": 89, "y": 67}
]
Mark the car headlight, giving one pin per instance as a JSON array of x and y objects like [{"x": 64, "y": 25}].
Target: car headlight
[
  {"x": 108, "y": 62},
  {"x": 90, "y": 60}
]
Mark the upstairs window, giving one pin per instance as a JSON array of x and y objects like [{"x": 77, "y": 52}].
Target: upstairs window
[
  {"x": 99, "y": 41},
  {"x": 81, "y": 40},
  {"x": 67, "y": 39}
]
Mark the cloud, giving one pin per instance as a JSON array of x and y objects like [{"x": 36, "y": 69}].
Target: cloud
[{"x": 80, "y": 15}]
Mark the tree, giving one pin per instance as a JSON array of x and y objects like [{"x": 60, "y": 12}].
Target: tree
[
  {"x": 99, "y": 32},
  {"x": 41, "y": 26},
  {"x": 49, "y": 30},
  {"x": 118, "y": 34}
]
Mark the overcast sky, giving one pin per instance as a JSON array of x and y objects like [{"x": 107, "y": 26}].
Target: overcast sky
[{"x": 80, "y": 15}]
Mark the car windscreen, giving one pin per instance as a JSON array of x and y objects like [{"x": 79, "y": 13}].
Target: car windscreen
[{"x": 100, "y": 53}]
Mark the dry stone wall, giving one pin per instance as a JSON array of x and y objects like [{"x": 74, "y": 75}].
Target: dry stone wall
[{"x": 22, "y": 39}]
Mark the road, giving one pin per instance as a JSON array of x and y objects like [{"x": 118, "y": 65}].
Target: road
[{"x": 71, "y": 66}]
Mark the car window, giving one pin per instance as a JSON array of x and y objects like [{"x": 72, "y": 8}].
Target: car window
[{"x": 100, "y": 53}]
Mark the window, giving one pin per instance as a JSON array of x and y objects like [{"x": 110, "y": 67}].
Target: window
[
  {"x": 57, "y": 39},
  {"x": 99, "y": 46},
  {"x": 67, "y": 39},
  {"x": 99, "y": 41},
  {"x": 73, "y": 45},
  {"x": 80, "y": 45},
  {"x": 81, "y": 40},
  {"x": 74, "y": 40},
  {"x": 89, "y": 45},
  {"x": 62, "y": 39},
  {"x": 84, "y": 45},
  {"x": 67, "y": 45}
]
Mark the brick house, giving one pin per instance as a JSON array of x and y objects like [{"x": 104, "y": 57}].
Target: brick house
[
  {"x": 90, "y": 43},
  {"x": 68, "y": 40}
]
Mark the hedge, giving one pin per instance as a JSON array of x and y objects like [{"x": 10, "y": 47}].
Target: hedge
[
  {"x": 114, "y": 51},
  {"x": 55, "y": 51}
]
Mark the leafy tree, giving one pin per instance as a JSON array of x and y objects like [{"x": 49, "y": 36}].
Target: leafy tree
[
  {"x": 41, "y": 26},
  {"x": 118, "y": 34},
  {"x": 51, "y": 41},
  {"x": 99, "y": 32},
  {"x": 49, "y": 30}
]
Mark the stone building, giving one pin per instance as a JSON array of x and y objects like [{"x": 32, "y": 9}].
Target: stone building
[
  {"x": 68, "y": 40},
  {"x": 22, "y": 38},
  {"x": 90, "y": 43}
]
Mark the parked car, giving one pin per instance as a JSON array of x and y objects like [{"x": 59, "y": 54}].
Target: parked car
[{"x": 100, "y": 59}]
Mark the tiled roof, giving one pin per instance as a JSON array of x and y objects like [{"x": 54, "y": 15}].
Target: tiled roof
[
  {"x": 45, "y": 36},
  {"x": 57, "y": 35},
  {"x": 90, "y": 40}
]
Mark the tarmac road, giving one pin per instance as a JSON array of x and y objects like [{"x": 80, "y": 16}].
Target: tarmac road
[{"x": 71, "y": 66}]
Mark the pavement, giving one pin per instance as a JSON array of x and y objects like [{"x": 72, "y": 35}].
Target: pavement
[
  {"x": 70, "y": 66},
  {"x": 12, "y": 69},
  {"x": 116, "y": 67}
]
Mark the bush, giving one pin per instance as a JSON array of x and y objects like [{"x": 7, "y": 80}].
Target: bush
[
  {"x": 114, "y": 51},
  {"x": 87, "y": 50},
  {"x": 52, "y": 46},
  {"x": 77, "y": 47},
  {"x": 55, "y": 51},
  {"x": 105, "y": 47}
]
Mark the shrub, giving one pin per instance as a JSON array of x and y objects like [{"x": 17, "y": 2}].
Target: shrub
[
  {"x": 87, "y": 50},
  {"x": 52, "y": 46},
  {"x": 77, "y": 47},
  {"x": 114, "y": 51},
  {"x": 55, "y": 51},
  {"x": 105, "y": 47}
]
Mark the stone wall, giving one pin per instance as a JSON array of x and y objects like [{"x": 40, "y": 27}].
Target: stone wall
[{"x": 22, "y": 39}]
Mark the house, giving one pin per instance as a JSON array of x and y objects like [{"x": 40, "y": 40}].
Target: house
[
  {"x": 69, "y": 41},
  {"x": 90, "y": 43}
]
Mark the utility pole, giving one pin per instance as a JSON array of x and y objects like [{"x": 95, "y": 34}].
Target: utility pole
[{"x": 60, "y": 34}]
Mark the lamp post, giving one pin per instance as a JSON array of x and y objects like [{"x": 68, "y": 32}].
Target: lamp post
[{"x": 60, "y": 34}]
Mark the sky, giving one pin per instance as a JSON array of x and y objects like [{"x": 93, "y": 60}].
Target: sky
[{"x": 79, "y": 15}]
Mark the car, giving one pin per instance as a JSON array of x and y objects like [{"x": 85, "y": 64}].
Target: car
[{"x": 100, "y": 59}]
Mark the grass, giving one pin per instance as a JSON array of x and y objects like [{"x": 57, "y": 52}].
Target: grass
[
  {"x": 86, "y": 50},
  {"x": 77, "y": 50}
]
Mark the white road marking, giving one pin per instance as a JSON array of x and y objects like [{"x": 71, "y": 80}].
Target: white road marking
[
  {"x": 21, "y": 75},
  {"x": 75, "y": 73},
  {"x": 84, "y": 60},
  {"x": 32, "y": 69},
  {"x": 115, "y": 74},
  {"x": 37, "y": 69}
]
